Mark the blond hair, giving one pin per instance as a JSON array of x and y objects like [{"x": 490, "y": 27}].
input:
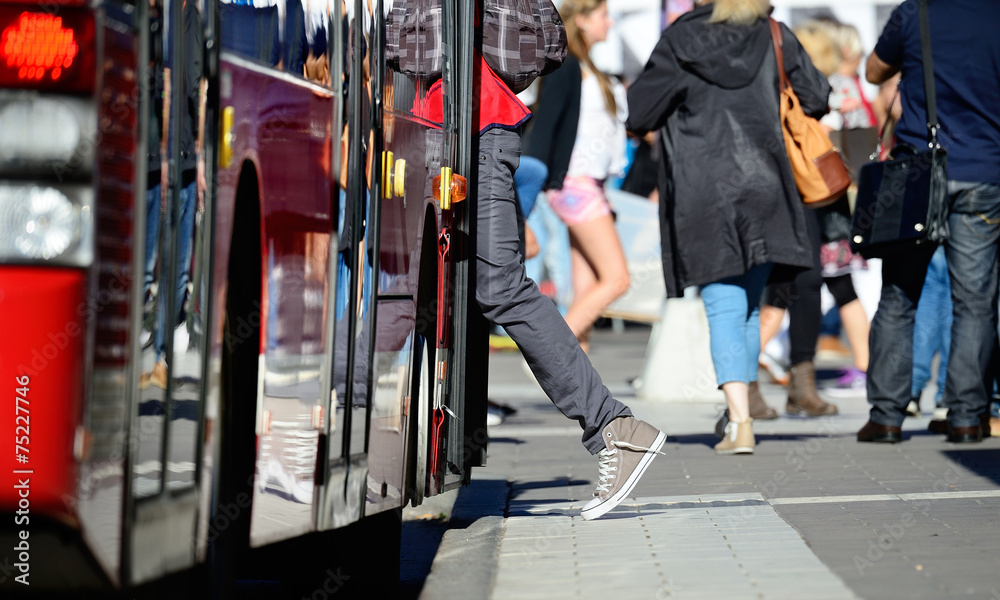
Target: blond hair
[
  {"x": 849, "y": 40},
  {"x": 578, "y": 46},
  {"x": 820, "y": 47},
  {"x": 739, "y": 12}
]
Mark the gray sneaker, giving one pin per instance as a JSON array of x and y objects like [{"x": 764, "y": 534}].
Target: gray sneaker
[{"x": 631, "y": 445}]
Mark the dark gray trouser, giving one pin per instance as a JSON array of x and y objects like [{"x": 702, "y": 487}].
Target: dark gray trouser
[
  {"x": 509, "y": 299},
  {"x": 974, "y": 224}
]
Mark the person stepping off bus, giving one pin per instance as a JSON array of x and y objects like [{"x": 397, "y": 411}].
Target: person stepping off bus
[{"x": 630, "y": 447}]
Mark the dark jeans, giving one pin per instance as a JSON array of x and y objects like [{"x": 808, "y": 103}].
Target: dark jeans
[
  {"x": 974, "y": 225},
  {"x": 509, "y": 299},
  {"x": 972, "y": 263}
]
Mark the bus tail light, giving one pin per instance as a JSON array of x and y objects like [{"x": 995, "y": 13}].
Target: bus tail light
[
  {"x": 44, "y": 51},
  {"x": 41, "y": 223}
]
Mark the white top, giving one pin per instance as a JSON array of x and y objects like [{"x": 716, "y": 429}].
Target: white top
[{"x": 599, "y": 150}]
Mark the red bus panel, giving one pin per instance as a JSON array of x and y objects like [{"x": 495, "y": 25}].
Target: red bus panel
[{"x": 43, "y": 319}]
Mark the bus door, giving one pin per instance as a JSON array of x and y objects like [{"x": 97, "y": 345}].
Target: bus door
[
  {"x": 423, "y": 256},
  {"x": 173, "y": 241}
]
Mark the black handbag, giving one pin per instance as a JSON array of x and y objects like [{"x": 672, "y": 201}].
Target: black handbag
[{"x": 903, "y": 202}]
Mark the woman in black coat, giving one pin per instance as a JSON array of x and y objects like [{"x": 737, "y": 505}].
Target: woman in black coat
[{"x": 730, "y": 212}]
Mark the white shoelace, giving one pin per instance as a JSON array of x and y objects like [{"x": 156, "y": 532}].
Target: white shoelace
[{"x": 607, "y": 456}]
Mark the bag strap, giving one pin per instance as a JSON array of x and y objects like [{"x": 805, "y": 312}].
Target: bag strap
[
  {"x": 779, "y": 54},
  {"x": 928, "y": 66}
]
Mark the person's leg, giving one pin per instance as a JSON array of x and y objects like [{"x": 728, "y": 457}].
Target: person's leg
[
  {"x": 754, "y": 282},
  {"x": 726, "y": 309},
  {"x": 770, "y": 323},
  {"x": 853, "y": 317},
  {"x": 731, "y": 314},
  {"x": 185, "y": 244},
  {"x": 596, "y": 242},
  {"x": 153, "y": 204},
  {"x": 805, "y": 313},
  {"x": 509, "y": 299},
  {"x": 732, "y": 307},
  {"x": 928, "y": 325},
  {"x": 974, "y": 226},
  {"x": 584, "y": 280},
  {"x": 945, "y": 316},
  {"x": 890, "y": 368},
  {"x": 529, "y": 178}
]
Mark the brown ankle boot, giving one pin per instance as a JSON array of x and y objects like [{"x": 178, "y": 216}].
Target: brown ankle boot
[
  {"x": 759, "y": 410},
  {"x": 802, "y": 395}
]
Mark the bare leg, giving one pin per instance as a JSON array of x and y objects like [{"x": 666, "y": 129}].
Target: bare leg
[
  {"x": 598, "y": 245},
  {"x": 855, "y": 321},
  {"x": 737, "y": 400},
  {"x": 584, "y": 280},
  {"x": 770, "y": 322}
]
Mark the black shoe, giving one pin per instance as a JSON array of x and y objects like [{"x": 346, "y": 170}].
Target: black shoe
[
  {"x": 720, "y": 425},
  {"x": 965, "y": 435},
  {"x": 939, "y": 426},
  {"x": 886, "y": 434}
]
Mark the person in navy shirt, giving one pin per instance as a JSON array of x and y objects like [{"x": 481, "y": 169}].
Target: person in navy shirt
[{"x": 966, "y": 59}]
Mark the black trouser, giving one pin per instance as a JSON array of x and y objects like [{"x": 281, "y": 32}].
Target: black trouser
[{"x": 802, "y": 299}]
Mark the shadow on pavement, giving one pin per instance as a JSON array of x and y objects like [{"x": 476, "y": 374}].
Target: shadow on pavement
[{"x": 984, "y": 462}]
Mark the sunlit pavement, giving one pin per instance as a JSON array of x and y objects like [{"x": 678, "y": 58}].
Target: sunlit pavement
[{"x": 812, "y": 514}]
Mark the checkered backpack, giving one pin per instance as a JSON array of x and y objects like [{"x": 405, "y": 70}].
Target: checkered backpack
[{"x": 522, "y": 39}]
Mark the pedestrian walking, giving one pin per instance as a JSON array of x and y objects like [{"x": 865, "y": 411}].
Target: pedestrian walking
[
  {"x": 966, "y": 78},
  {"x": 730, "y": 212},
  {"x": 625, "y": 446},
  {"x": 580, "y": 134}
]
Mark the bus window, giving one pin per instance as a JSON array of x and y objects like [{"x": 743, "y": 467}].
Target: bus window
[{"x": 174, "y": 287}]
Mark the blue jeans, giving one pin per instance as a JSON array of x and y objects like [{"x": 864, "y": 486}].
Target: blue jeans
[
  {"x": 185, "y": 242},
  {"x": 932, "y": 328},
  {"x": 553, "y": 238},
  {"x": 529, "y": 178},
  {"x": 733, "y": 309},
  {"x": 974, "y": 224},
  {"x": 152, "y": 235},
  {"x": 971, "y": 253}
]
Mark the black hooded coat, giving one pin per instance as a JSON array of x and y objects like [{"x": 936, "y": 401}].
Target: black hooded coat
[{"x": 728, "y": 200}]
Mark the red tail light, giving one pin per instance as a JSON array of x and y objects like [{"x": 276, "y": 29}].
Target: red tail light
[{"x": 46, "y": 51}]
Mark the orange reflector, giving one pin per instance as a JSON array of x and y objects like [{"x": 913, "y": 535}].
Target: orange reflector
[
  {"x": 39, "y": 46},
  {"x": 458, "y": 189}
]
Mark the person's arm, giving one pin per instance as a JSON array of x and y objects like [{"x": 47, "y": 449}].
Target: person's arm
[
  {"x": 651, "y": 97},
  {"x": 878, "y": 71},
  {"x": 887, "y": 57},
  {"x": 164, "y": 136}
]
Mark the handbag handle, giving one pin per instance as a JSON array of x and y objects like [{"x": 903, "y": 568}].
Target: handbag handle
[
  {"x": 928, "y": 68},
  {"x": 783, "y": 82}
]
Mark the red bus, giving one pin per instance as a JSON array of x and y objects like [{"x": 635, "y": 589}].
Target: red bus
[{"x": 235, "y": 296}]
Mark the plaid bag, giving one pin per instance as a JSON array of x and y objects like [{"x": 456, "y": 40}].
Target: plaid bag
[{"x": 522, "y": 39}]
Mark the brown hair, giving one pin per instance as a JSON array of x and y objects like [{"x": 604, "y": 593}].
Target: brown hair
[{"x": 574, "y": 38}]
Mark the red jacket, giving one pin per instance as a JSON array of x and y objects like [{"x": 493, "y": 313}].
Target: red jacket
[{"x": 493, "y": 106}]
